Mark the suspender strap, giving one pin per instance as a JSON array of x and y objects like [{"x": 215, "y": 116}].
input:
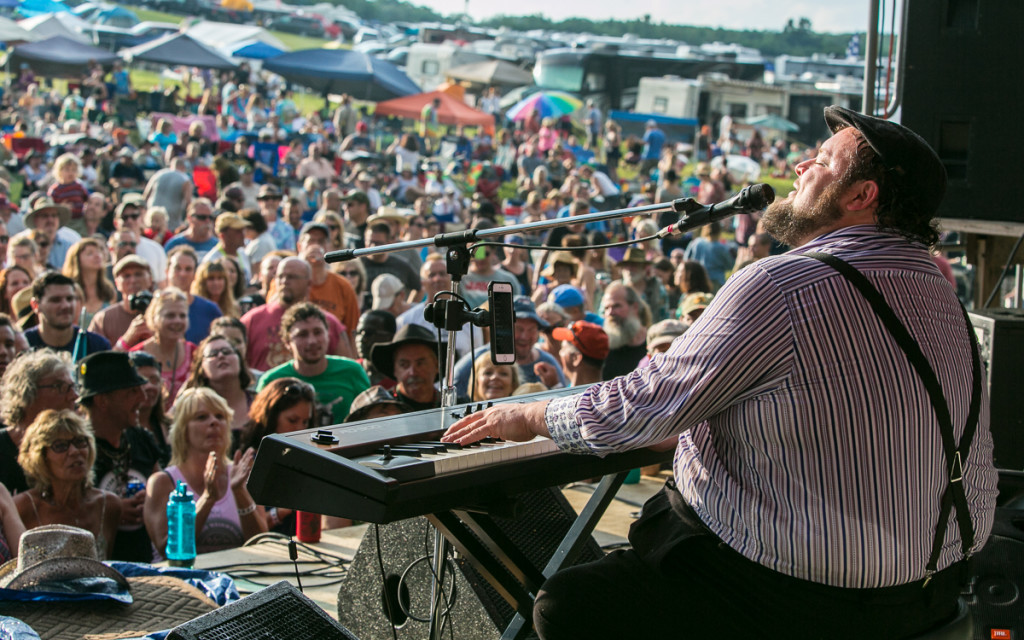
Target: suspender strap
[{"x": 954, "y": 494}]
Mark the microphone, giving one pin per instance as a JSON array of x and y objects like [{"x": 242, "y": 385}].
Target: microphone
[{"x": 752, "y": 198}]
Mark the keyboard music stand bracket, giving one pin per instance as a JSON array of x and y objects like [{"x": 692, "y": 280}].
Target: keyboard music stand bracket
[{"x": 505, "y": 566}]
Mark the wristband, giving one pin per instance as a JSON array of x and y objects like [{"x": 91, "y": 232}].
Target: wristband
[{"x": 246, "y": 511}]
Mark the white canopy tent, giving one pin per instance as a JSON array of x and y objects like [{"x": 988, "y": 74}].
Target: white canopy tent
[
  {"x": 56, "y": 24},
  {"x": 11, "y": 31},
  {"x": 222, "y": 34}
]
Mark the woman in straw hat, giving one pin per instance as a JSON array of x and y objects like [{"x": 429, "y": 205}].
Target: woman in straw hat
[
  {"x": 226, "y": 515},
  {"x": 57, "y": 454}
]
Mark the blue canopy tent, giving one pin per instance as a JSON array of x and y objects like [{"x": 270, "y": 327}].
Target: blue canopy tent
[
  {"x": 254, "y": 50},
  {"x": 116, "y": 17},
  {"x": 30, "y": 8},
  {"x": 358, "y": 74},
  {"x": 59, "y": 56}
]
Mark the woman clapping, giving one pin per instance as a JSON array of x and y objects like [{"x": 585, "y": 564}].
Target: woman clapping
[{"x": 226, "y": 515}]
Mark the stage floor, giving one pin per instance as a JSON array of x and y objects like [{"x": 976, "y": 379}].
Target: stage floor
[{"x": 267, "y": 561}]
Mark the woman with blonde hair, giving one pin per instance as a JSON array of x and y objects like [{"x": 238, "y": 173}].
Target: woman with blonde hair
[
  {"x": 84, "y": 265},
  {"x": 211, "y": 282},
  {"x": 335, "y": 228},
  {"x": 57, "y": 454},
  {"x": 493, "y": 381},
  {"x": 167, "y": 318},
  {"x": 226, "y": 514}
]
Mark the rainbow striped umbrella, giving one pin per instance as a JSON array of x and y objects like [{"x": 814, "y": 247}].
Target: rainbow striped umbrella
[{"x": 548, "y": 103}]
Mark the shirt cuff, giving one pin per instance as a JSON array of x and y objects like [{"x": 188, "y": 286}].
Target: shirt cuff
[{"x": 560, "y": 418}]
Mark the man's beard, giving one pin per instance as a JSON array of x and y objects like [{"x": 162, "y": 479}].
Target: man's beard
[
  {"x": 794, "y": 227},
  {"x": 621, "y": 332}
]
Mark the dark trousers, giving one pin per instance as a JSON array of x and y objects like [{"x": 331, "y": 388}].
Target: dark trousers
[{"x": 681, "y": 581}]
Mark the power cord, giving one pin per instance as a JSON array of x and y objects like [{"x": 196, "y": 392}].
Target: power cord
[
  {"x": 383, "y": 581},
  {"x": 293, "y": 553}
]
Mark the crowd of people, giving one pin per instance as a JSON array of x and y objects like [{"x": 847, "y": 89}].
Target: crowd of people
[{"x": 165, "y": 301}]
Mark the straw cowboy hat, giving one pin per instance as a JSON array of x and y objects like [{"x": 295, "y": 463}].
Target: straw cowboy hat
[{"x": 55, "y": 553}]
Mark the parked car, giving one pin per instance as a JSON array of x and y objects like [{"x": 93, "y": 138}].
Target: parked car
[{"x": 299, "y": 25}]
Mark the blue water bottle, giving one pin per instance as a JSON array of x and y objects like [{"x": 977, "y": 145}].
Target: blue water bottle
[{"x": 181, "y": 527}]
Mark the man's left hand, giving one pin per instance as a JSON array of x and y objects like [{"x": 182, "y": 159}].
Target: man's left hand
[{"x": 511, "y": 421}]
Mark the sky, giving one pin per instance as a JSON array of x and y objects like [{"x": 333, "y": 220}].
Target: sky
[{"x": 843, "y": 16}]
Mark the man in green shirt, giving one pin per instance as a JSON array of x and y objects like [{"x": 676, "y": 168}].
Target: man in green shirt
[{"x": 337, "y": 380}]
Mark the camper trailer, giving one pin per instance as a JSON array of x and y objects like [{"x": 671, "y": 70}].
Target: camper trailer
[{"x": 428, "y": 63}]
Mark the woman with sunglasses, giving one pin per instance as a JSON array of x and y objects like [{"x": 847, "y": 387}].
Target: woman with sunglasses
[
  {"x": 284, "y": 405},
  {"x": 226, "y": 515},
  {"x": 57, "y": 455},
  {"x": 220, "y": 366},
  {"x": 355, "y": 273}
]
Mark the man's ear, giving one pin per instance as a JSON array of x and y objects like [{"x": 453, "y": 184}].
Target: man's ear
[
  {"x": 861, "y": 196},
  {"x": 34, "y": 304}
]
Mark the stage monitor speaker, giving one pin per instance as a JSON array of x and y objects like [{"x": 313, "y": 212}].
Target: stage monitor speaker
[
  {"x": 477, "y": 611},
  {"x": 960, "y": 94},
  {"x": 278, "y": 612},
  {"x": 1001, "y": 343},
  {"x": 995, "y": 592}
]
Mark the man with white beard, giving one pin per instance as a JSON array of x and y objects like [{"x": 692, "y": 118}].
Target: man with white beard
[{"x": 627, "y": 333}]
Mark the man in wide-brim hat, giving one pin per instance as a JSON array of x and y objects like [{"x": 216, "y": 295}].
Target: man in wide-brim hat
[
  {"x": 411, "y": 358},
  {"x": 47, "y": 217}
]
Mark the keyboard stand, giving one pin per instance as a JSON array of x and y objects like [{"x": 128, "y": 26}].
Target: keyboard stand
[{"x": 505, "y": 566}]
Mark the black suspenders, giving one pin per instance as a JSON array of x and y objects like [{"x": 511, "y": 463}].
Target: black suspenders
[{"x": 956, "y": 454}]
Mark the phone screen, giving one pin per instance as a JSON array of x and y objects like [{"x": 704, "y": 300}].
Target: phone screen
[{"x": 499, "y": 295}]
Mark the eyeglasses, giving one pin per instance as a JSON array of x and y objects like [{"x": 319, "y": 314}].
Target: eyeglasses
[
  {"x": 332, "y": 227},
  {"x": 62, "y": 446},
  {"x": 43, "y": 245},
  {"x": 122, "y": 245},
  {"x": 131, "y": 216},
  {"x": 223, "y": 351},
  {"x": 417, "y": 224},
  {"x": 350, "y": 273},
  {"x": 202, "y": 218},
  {"x": 5, "y": 239},
  {"x": 59, "y": 387}
]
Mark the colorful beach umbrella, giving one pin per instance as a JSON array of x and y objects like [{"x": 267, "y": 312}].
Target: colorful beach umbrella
[{"x": 548, "y": 103}]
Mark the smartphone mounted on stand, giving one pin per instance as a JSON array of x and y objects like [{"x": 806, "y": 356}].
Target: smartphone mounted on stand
[{"x": 502, "y": 321}]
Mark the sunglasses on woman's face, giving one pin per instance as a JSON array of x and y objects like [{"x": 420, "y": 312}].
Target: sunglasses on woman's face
[{"x": 62, "y": 446}]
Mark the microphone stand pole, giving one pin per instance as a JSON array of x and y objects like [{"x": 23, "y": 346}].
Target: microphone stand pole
[{"x": 455, "y": 239}]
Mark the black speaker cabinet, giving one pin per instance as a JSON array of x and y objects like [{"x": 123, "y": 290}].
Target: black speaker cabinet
[
  {"x": 994, "y": 593},
  {"x": 1001, "y": 343},
  {"x": 401, "y": 568},
  {"x": 962, "y": 91},
  {"x": 278, "y": 612}
]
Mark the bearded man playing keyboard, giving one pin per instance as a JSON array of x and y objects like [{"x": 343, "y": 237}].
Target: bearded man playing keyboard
[{"x": 825, "y": 483}]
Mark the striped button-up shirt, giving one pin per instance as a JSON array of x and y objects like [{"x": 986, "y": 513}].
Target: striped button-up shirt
[{"x": 807, "y": 442}]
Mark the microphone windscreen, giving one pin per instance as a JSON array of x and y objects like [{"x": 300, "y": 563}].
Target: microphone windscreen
[{"x": 761, "y": 195}]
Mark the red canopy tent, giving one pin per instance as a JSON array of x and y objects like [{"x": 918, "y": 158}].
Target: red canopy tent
[{"x": 452, "y": 110}]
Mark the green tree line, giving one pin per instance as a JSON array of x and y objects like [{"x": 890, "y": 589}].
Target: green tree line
[{"x": 796, "y": 38}]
